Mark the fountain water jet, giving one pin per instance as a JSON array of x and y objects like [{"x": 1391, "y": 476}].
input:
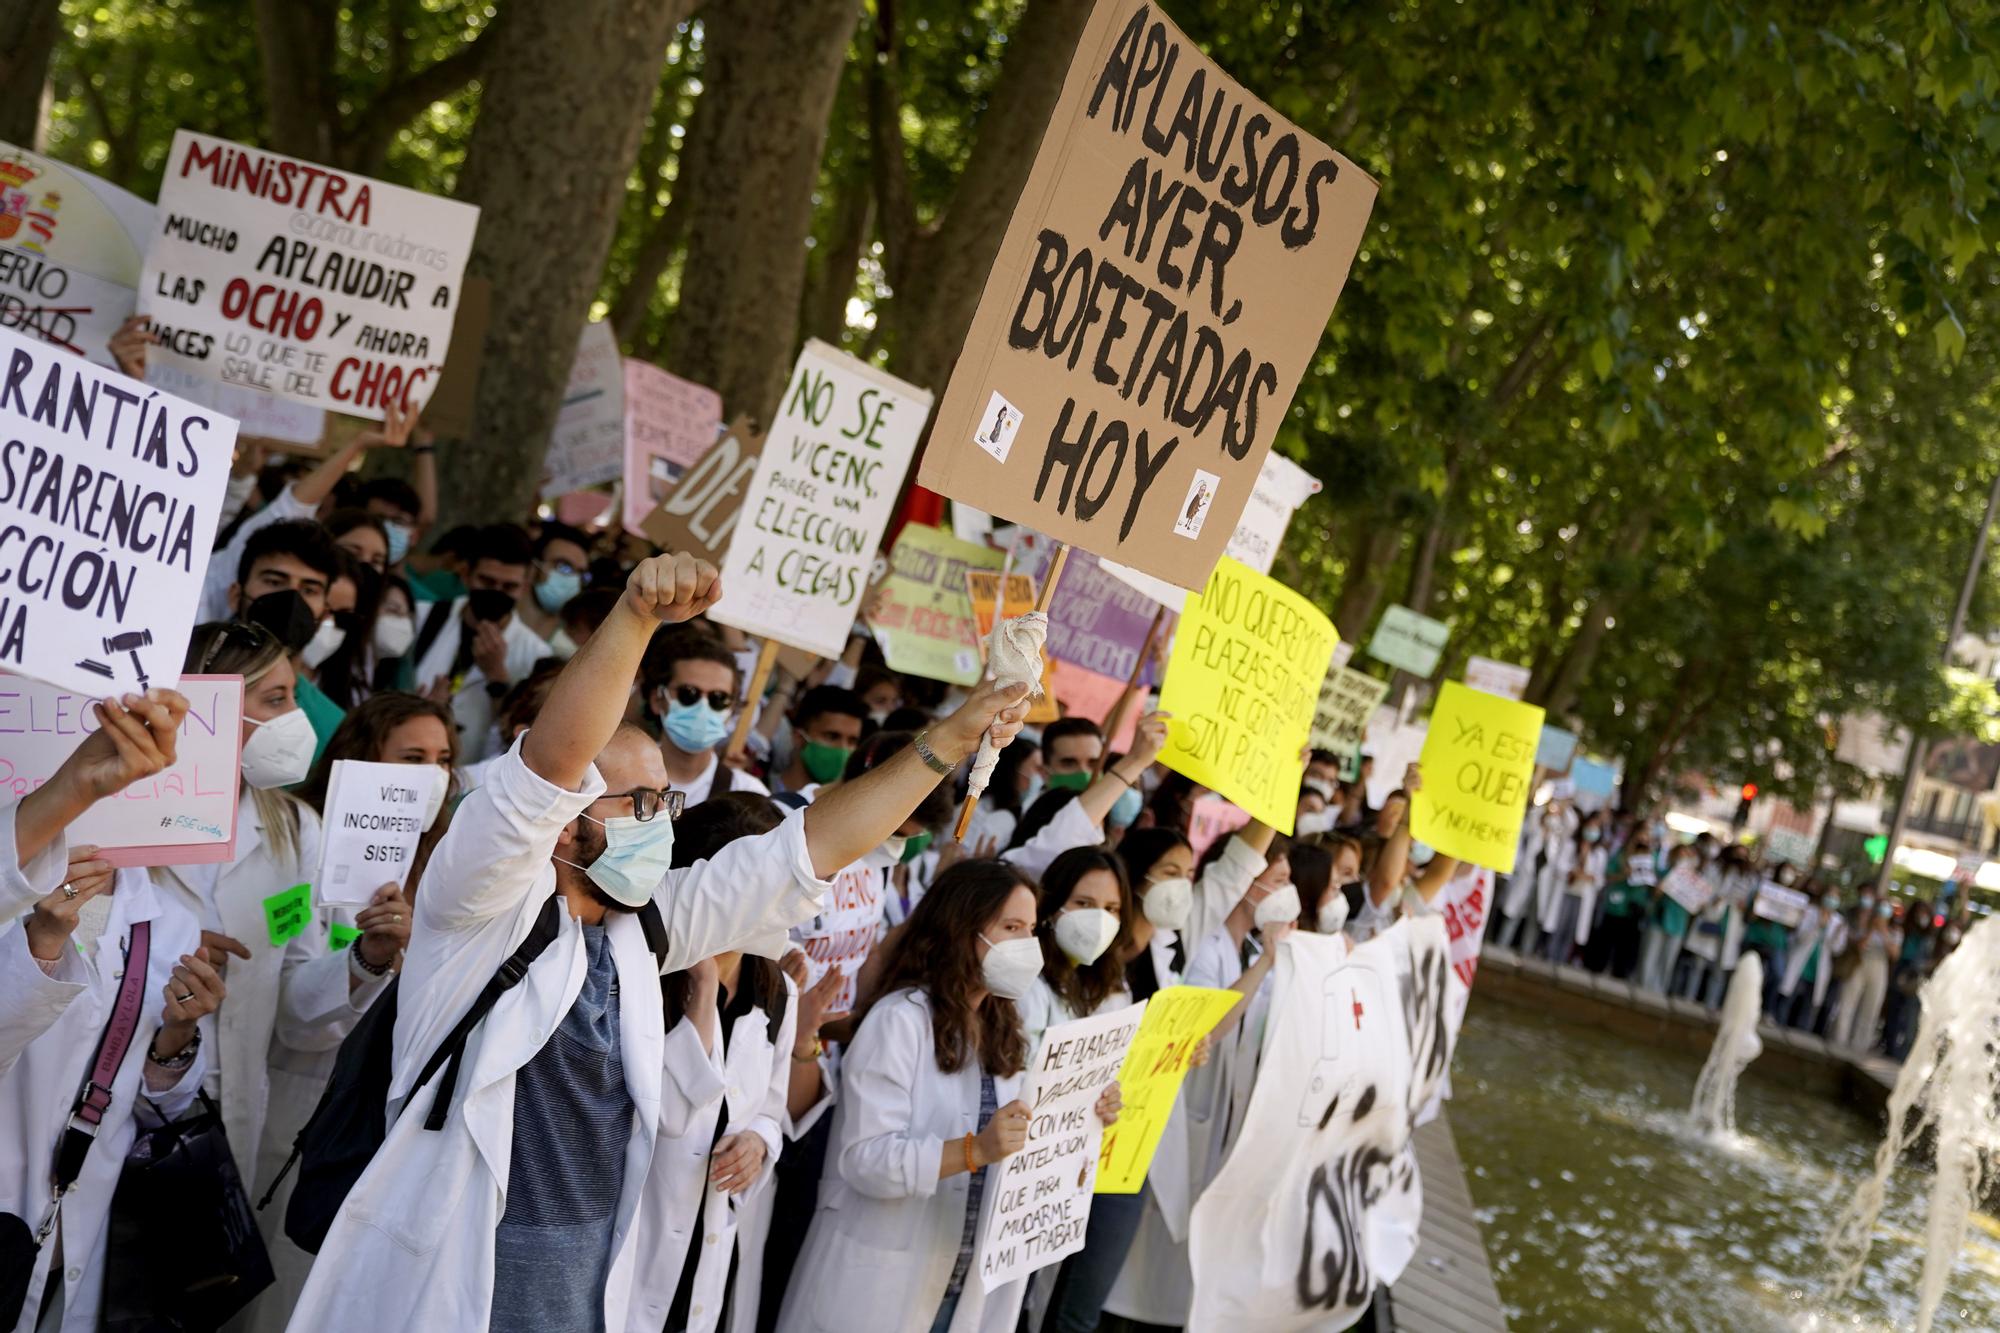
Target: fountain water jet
[
  {"x": 1950, "y": 1088},
  {"x": 1736, "y": 1045}
]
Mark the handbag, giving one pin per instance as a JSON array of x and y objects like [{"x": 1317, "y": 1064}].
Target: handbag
[
  {"x": 19, "y": 1245},
  {"x": 184, "y": 1252}
]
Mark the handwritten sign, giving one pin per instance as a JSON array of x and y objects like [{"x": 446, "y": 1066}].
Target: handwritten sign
[
  {"x": 669, "y": 424},
  {"x": 1347, "y": 699},
  {"x": 819, "y": 500},
  {"x": 286, "y": 914},
  {"x": 587, "y": 446},
  {"x": 1282, "y": 486},
  {"x": 922, "y": 617},
  {"x": 1166, "y": 276},
  {"x": 1593, "y": 782},
  {"x": 1099, "y": 622},
  {"x": 1555, "y": 749},
  {"x": 375, "y": 815},
  {"x": 1409, "y": 642},
  {"x": 183, "y": 816},
  {"x": 1496, "y": 677},
  {"x": 1040, "y": 1197},
  {"x": 1775, "y": 902},
  {"x": 1242, "y": 686},
  {"x": 71, "y": 247},
  {"x": 1477, "y": 757},
  {"x": 1213, "y": 817},
  {"x": 258, "y": 416},
  {"x": 1149, "y": 1081},
  {"x": 700, "y": 512},
  {"x": 1688, "y": 887},
  {"x": 109, "y": 501},
  {"x": 292, "y": 278}
]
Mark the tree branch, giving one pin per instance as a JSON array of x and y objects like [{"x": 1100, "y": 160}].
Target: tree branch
[
  {"x": 366, "y": 136},
  {"x": 894, "y": 203}
]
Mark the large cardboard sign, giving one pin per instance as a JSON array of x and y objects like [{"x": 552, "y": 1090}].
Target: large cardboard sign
[
  {"x": 1478, "y": 757},
  {"x": 819, "y": 500},
  {"x": 1319, "y": 1201},
  {"x": 669, "y": 424},
  {"x": 110, "y": 495},
  {"x": 183, "y": 816},
  {"x": 288, "y": 277},
  {"x": 700, "y": 512},
  {"x": 1242, "y": 687},
  {"x": 587, "y": 446},
  {"x": 1347, "y": 699},
  {"x": 1282, "y": 486},
  {"x": 1162, "y": 285},
  {"x": 1177, "y": 1018},
  {"x": 375, "y": 816},
  {"x": 1099, "y": 622},
  {"x": 1409, "y": 642},
  {"x": 1039, "y": 1199},
  {"x": 922, "y": 615},
  {"x": 71, "y": 248}
]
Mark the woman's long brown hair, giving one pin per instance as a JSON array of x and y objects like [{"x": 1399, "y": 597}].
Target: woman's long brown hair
[
  {"x": 1083, "y": 989},
  {"x": 938, "y": 954}
]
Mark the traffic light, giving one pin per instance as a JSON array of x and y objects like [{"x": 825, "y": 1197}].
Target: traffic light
[{"x": 1748, "y": 794}]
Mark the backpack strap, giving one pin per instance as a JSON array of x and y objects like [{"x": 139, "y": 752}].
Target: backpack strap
[
  {"x": 450, "y": 1054},
  {"x": 434, "y": 624},
  {"x": 655, "y": 926},
  {"x": 791, "y": 800},
  {"x": 94, "y": 1099}
]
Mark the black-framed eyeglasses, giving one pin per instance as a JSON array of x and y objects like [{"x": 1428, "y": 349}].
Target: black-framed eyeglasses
[
  {"x": 649, "y": 801},
  {"x": 687, "y": 696},
  {"x": 250, "y": 636}
]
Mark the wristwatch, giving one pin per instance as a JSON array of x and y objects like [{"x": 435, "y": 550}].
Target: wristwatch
[
  {"x": 922, "y": 745},
  {"x": 496, "y": 689}
]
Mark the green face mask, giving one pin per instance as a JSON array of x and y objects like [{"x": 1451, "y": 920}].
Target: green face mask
[
  {"x": 914, "y": 845},
  {"x": 823, "y": 762},
  {"x": 1076, "y": 781}
]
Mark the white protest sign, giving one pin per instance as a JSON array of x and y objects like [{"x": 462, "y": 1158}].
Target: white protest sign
[
  {"x": 1775, "y": 902},
  {"x": 587, "y": 446},
  {"x": 375, "y": 814},
  {"x": 1496, "y": 677},
  {"x": 185, "y": 815},
  {"x": 1688, "y": 887},
  {"x": 812, "y": 522},
  {"x": 257, "y": 415},
  {"x": 1039, "y": 1199},
  {"x": 110, "y": 496},
  {"x": 71, "y": 246},
  {"x": 291, "y": 278},
  {"x": 1347, "y": 699},
  {"x": 1408, "y": 641},
  {"x": 1282, "y": 486},
  {"x": 1319, "y": 1200}
]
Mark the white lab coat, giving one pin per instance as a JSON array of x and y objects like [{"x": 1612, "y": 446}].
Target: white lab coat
[
  {"x": 299, "y": 990},
  {"x": 471, "y": 706},
  {"x": 1070, "y": 827},
  {"x": 1828, "y": 931},
  {"x": 751, "y": 1080},
  {"x": 1521, "y": 884},
  {"x": 412, "y": 1246},
  {"x": 21, "y": 889},
  {"x": 1157, "y": 1263},
  {"x": 52, "y": 1024},
  {"x": 1222, "y": 884},
  {"x": 886, "y": 1232},
  {"x": 1582, "y": 878}
]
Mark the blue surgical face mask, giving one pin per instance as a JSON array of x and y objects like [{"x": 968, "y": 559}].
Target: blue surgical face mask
[
  {"x": 399, "y": 540},
  {"x": 1125, "y": 809},
  {"x": 556, "y": 589},
  {"x": 696, "y": 727},
  {"x": 636, "y": 857}
]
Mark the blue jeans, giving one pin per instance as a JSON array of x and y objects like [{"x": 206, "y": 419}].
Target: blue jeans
[{"x": 1085, "y": 1279}]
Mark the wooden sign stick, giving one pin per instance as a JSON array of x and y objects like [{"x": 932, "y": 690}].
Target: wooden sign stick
[
  {"x": 1117, "y": 718},
  {"x": 767, "y": 657}
]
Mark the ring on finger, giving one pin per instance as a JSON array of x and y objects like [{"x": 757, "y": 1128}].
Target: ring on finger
[
  {"x": 69, "y": 892},
  {"x": 184, "y": 999}
]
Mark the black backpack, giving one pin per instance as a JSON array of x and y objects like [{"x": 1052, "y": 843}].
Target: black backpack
[{"x": 351, "y": 1120}]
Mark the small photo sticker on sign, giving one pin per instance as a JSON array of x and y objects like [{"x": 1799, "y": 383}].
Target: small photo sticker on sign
[
  {"x": 1200, "y": 497},
  {"x": 997, "y": 427}
]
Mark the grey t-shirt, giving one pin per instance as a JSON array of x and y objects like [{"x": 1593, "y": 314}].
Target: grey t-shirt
[{"x": 572, "y": 1118}]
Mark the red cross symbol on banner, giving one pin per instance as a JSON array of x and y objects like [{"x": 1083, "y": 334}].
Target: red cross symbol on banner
[{"x": 1356, "y": 997}]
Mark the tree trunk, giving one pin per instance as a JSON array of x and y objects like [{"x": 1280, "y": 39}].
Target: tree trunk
[
  {"x": 564, "y": 105},
  {"x": 770, "y": 72},
  {"x": 1556, "y": 689},
  {"x": 1367, "y": 575},
  {"x": 937, "y": 272},
  {"x": 298, "y": 40},
  {"x": 830, "y": 276},
  {"x": 27, "y": 35},
  {"x": 1423, "y": 570}
]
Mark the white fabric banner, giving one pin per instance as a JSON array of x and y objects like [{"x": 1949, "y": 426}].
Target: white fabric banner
[{"x": 1320, "y": 1200}]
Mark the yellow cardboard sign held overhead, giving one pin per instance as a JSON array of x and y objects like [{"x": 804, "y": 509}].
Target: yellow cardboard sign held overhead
[
  {"x": 1479, "y": 762},
  {"x": 1176, "y": 1020},
  {"x": 1241, "y": 689}
]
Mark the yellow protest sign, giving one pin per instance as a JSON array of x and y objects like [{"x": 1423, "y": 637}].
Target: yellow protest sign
[
  {"x": 1479, "y": 757},
  {"x": 1242, "y": 686},
  {"x": 1176, "y": 1020}
]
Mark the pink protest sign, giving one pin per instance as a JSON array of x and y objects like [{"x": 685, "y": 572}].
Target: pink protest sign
[{"x": 669, "y": 423}]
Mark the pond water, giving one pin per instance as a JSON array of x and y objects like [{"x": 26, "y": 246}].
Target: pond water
[{"x": 1602, "y": 1210}]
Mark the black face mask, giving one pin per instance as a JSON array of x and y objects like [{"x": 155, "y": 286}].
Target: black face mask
[
  {"x": 488, "y": 604},
  {"x": 286, "y": 615}
]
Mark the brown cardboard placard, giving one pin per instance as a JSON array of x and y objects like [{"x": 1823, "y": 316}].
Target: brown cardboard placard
[
  {"x": 1161, "y": 288},
  {"x": 699, "y": 513},
  {"x": 449, "y": 411}
]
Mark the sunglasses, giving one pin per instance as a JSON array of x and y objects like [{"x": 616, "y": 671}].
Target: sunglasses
[
  {"x": 649, "y": 801},
  {"x": 242, "y": 632},
  {"x": 687, "y": 696}
]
